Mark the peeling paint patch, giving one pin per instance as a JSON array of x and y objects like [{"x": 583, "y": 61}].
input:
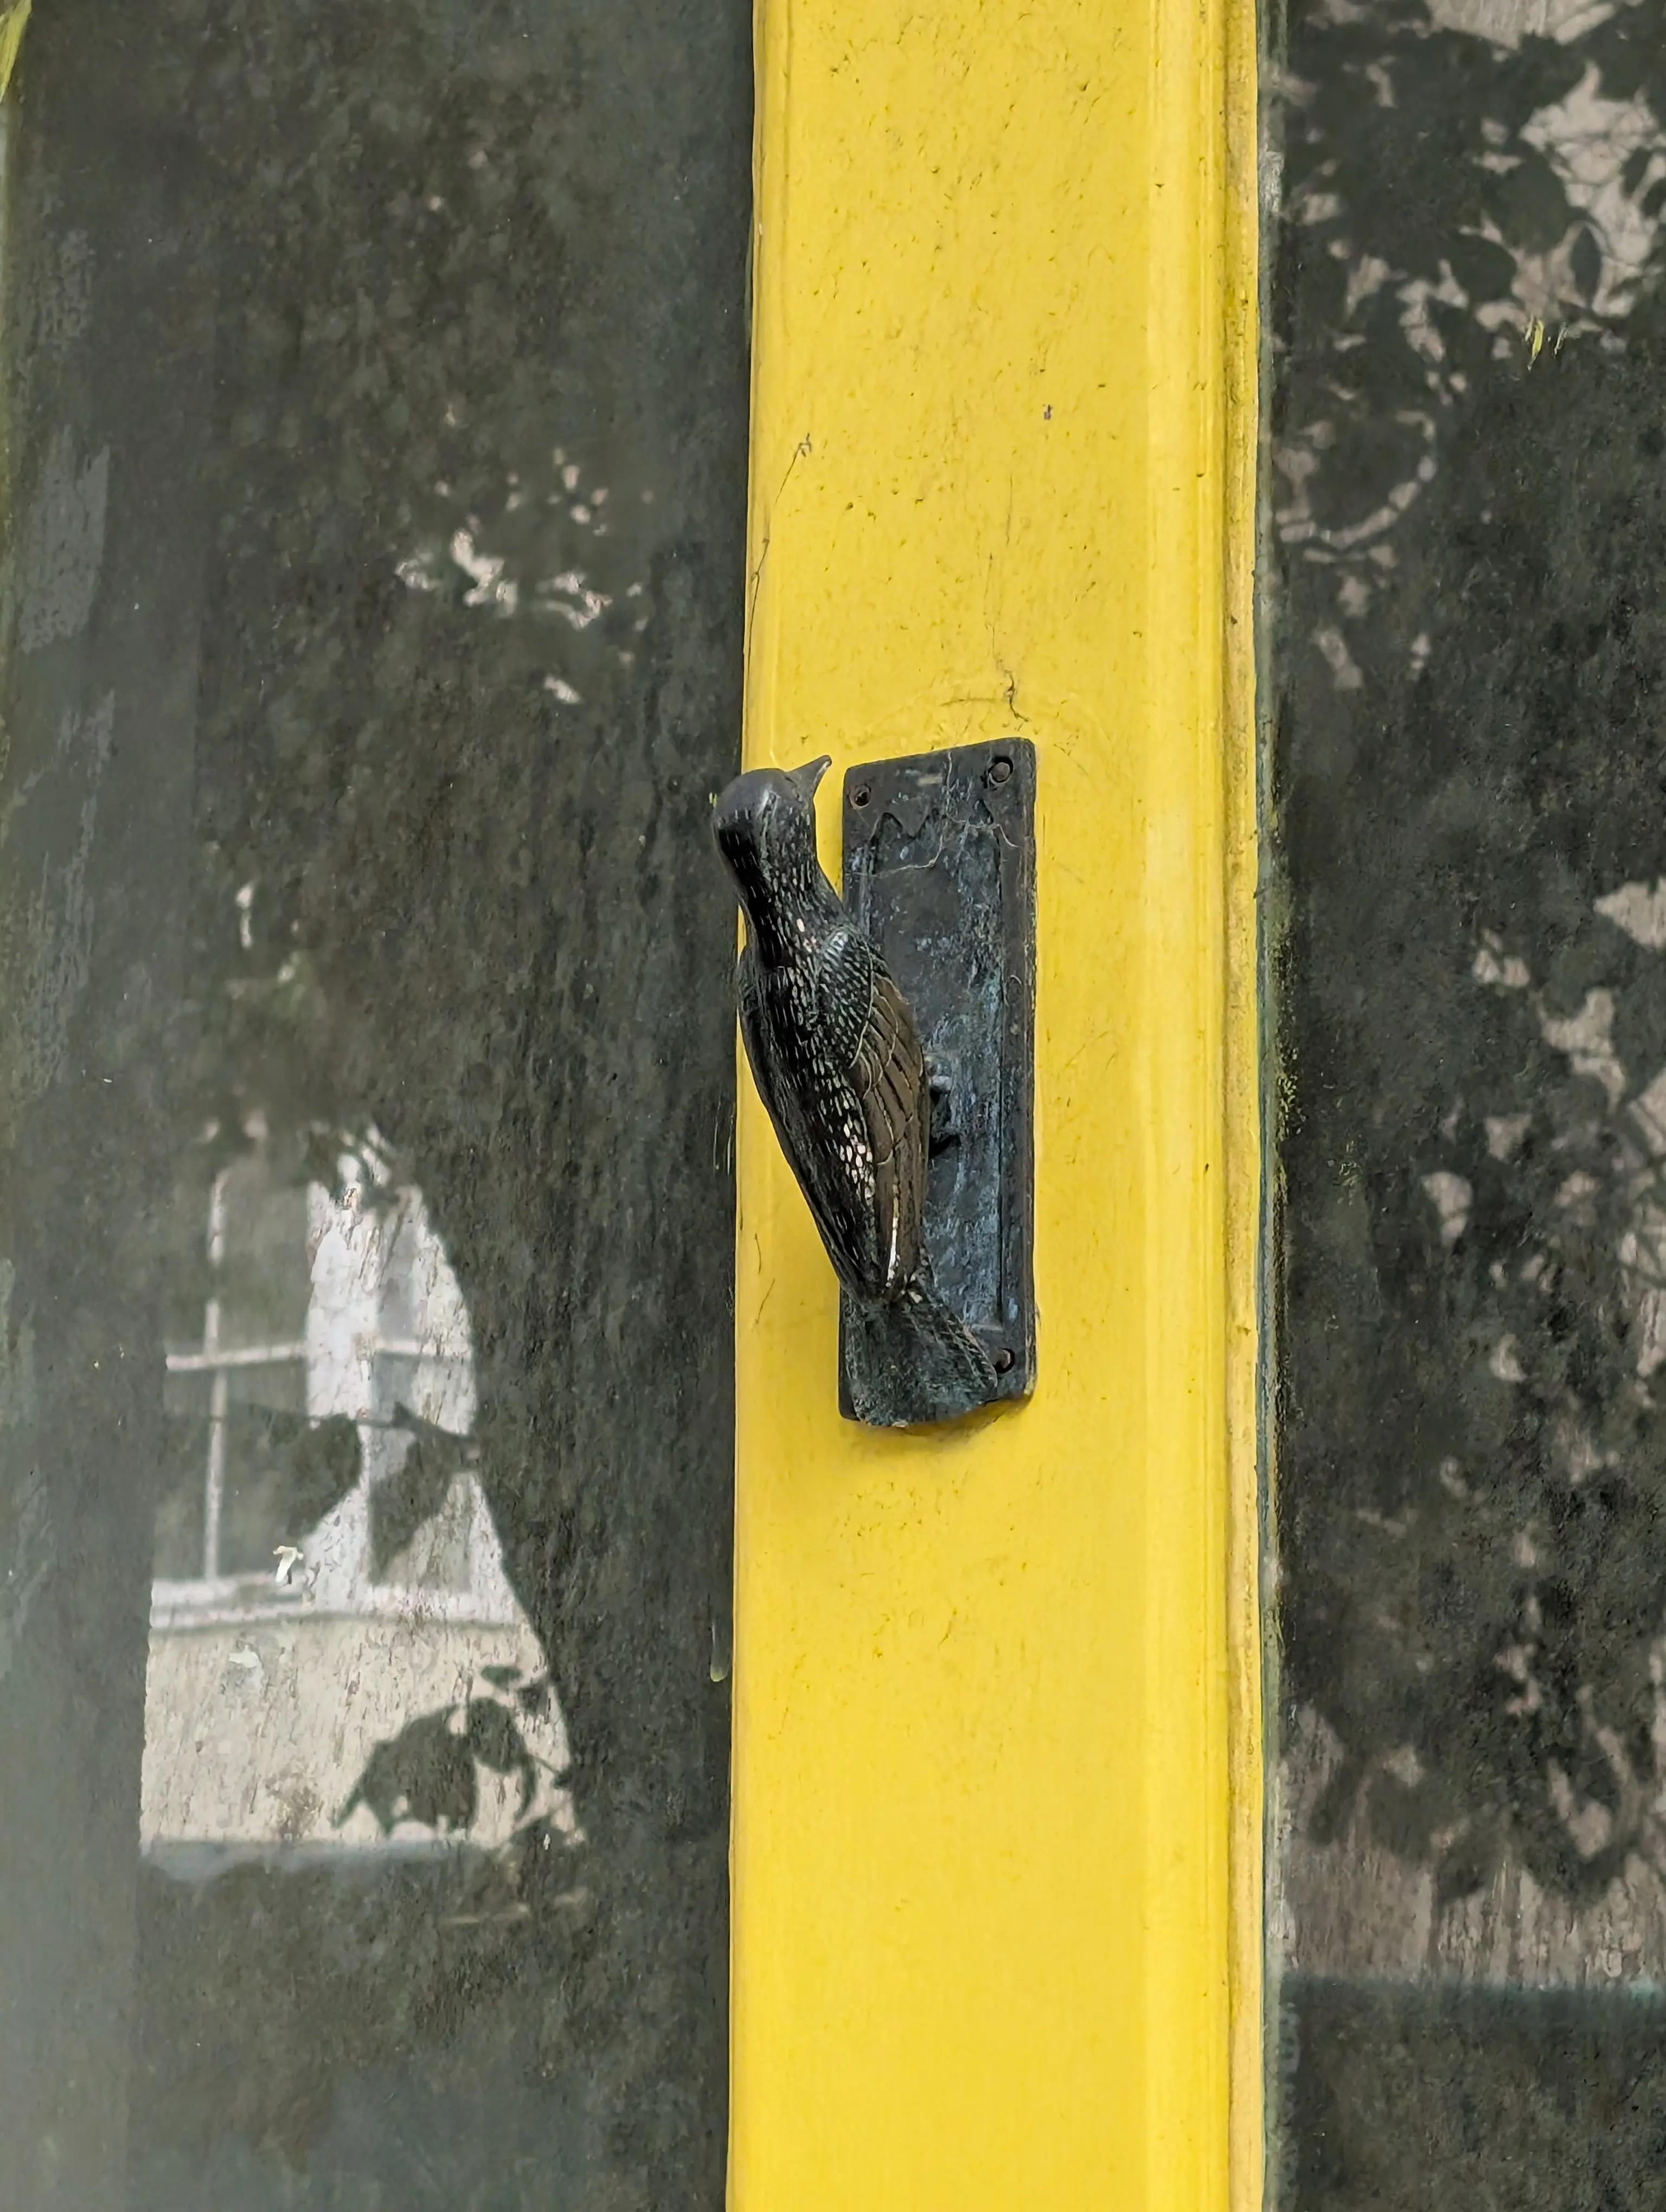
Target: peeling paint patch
[
  {"x": 61, "y": 544},
  {"x": 28, "y": 1552},
  {"x": 17, "y": 1399},
  {"x": 54, "y": 942},
  {"x": 25, "y": 1545}
]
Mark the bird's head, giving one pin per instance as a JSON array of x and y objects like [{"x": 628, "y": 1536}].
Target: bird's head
[{"x": 765, "y": 826}]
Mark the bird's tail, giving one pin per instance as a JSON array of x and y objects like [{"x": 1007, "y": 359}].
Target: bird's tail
[{"x": 911, "y": 1359}]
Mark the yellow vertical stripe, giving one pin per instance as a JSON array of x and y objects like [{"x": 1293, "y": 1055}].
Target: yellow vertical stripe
[
  {"x": 1240, "y": 374},
  {"x": 996, "y": 1848},
  {"x": 13, "y": 22}
]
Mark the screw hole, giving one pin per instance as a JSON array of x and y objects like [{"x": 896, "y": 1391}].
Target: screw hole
[
  {"x": 861, "y": 795},
  {"x": 1003, "y": 1361},
  {"x": 1000, "y": 769}
]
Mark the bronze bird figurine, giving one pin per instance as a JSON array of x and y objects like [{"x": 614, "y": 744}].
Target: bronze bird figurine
[{"x": 838, "y": 1064}]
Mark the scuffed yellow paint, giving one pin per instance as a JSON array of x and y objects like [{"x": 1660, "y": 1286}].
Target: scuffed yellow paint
[
  {"x": 997, "y": 1757},
  {"x": 13, "y": 22}
]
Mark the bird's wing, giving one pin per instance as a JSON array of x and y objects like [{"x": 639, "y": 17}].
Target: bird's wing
[
  {"x": 887, "y": 1072},
  {"x": 843, "y": 1080},
  {"x": 802, "y": 1071}
]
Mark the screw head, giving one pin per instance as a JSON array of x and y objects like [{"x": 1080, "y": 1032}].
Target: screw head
[
  {"x": 1003, "y": 1362},
  {"x": 1000, "y": 769},
  {"x": 862, "y": 793}
]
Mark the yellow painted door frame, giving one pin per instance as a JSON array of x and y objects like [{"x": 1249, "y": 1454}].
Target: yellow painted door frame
[{"x": 997, "y": 1779}]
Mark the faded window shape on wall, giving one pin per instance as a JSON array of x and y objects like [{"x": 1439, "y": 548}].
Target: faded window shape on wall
[{"x": 336, "y": 1656}]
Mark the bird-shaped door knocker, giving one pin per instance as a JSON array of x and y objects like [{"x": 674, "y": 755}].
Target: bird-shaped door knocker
[{"x": 838, "y": 1062}]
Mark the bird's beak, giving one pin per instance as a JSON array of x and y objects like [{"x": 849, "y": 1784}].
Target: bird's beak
[{"x": 811, "y": 775}]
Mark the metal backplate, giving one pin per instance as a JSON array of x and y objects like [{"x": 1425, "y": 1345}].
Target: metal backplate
[{"x": 939, "y": 869}]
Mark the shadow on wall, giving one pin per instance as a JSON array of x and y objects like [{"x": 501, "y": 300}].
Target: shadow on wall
[
  {"x": 378, "y": 417},
  {"x": 1400, "y": 2099},
  {"x": 340, "y": 2035},
  {"x": 1471, "y": 974}
]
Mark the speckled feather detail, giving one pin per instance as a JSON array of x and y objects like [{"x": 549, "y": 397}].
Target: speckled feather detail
[{"x": 838, "y": 1064}]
